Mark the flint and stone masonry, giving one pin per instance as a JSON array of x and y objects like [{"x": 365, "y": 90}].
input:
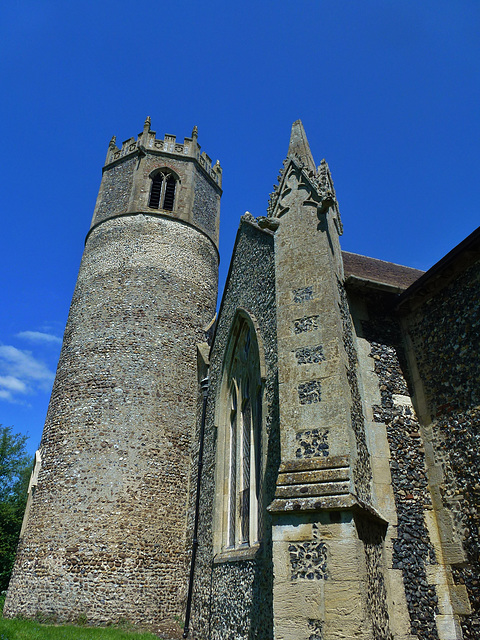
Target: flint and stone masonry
[
  {"x": 106, "y": 535},
  {"x": 335, "y": 450}
]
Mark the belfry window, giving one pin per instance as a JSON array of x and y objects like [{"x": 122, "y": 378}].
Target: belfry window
[
  {"x": 162, "y": 191},
  {"x": 169, "y": 193},
  {"x": 240, "y": 453},
  {"x": 156, "y": 191}
]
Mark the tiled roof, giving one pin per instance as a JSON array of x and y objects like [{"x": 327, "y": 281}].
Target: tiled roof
[{"x": 379, "y": 271}]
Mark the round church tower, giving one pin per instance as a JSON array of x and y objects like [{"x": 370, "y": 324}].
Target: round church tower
[{"x": 106, "y": 531}]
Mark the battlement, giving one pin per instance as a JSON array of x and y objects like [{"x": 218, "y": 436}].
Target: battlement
[{"x": 148, "y": 142}]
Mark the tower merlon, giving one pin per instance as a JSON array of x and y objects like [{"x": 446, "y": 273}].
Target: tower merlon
[
  {"x": 148, "y": 142},
  {"x": 205, "y": 161}
]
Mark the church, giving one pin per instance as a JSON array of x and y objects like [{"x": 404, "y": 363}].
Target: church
[{"x": 303, "y": 465}]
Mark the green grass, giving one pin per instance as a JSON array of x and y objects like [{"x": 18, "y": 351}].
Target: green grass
[{"x": 19, "y": 629}]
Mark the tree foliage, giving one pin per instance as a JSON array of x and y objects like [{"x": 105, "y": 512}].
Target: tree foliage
[{"x": 15, "y": 468}]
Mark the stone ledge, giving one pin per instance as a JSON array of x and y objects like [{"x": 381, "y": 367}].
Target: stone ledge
[
  {"x": 342, "y": 502},
  {"x": 308, "y": 464},
  {"x": 237, "y": 555},
  {"x": 314, "y": 489},
  {"x": 315, "y": 475}
]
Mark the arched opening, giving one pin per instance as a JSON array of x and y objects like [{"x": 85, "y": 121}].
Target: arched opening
[
  {"x": 156, "y": 191},
  {"x": 239, "y": 454},
  {"x": 163, "y": 190},
  {"x": 169, "y": 198}
]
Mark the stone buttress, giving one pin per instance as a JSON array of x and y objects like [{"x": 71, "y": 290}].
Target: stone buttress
[
  {"x": 322, "y": 513},
  {"x": 106, "y": 532}
]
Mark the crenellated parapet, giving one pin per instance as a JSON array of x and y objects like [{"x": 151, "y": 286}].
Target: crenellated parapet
[
  {"x": 148, "y": 142},
  {"x": 163, "y": 177}
]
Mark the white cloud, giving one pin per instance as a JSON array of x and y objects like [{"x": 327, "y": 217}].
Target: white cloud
[
  {"x": 13, "y": 384},
  {"x": 6, "y": 395},
  {"x": 38, "y": 336},
  {"x": 22, "y": 373}
]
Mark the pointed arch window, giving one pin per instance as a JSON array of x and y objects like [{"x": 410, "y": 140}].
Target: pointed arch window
[
  {"x": 163, "y": 191},
  {"x": 239, "y": 463}
]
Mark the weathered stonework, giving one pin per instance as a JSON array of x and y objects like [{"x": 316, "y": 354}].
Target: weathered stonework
[
  {"x": 412, "y": 549},
  {"x": 309, "y": 355},
  {"x": 116, "y": 188},
  {"x": 106, "y": 523},
  {"x": 362, "y": 471},
  {"x": 233, "y": 596},
  {"x": 313, "y": 443},
  {"x": 308, "y": 560},
  {"x": 312, "y": 453},
  {"x": 373, "y": 537},
  {"x": 444, "y": 331},
  {"x": 307, "y": 323},
  {"x": 205, "y": 205}
]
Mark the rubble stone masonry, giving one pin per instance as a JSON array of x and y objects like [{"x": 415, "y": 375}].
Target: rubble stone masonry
[
  {"x": 445, "y": 331},
  {"x": 106, "y": 533},
  {"x": 233, "y": 596}
]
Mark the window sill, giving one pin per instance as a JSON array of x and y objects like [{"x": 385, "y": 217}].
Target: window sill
[
  {"x": 161, "y": 210},
  {"x": 237, "y": 555}
]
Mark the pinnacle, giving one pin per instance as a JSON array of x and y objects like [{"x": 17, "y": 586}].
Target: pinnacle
[{"x": 299, "y": 145}]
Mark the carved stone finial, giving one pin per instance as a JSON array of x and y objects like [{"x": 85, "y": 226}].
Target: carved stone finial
[
  {"x": 299, "y": 147},
  {"x": 248, "y": 217},
  {"x": 195, "y": 132},
  {"x": 147, "y": 124},
  {"x": 113, "y": 141}
]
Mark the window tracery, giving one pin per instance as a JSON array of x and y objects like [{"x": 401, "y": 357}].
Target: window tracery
[
  {"x": 240, "y": 446},
  {"x": 163, "y": 190}
]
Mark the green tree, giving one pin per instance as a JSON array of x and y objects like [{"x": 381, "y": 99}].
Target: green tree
[{"x": 15, "y": 468}]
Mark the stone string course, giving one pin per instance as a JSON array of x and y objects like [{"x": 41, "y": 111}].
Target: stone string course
[
  {"x": 111, "y": 520},
  {"x": 445, "y": 332},
  {"x": 412, "y": 550},
  {"x": 196, "y": 202}
]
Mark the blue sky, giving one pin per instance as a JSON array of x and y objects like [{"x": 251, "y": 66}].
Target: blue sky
[{"x": 388, "y": 92}]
